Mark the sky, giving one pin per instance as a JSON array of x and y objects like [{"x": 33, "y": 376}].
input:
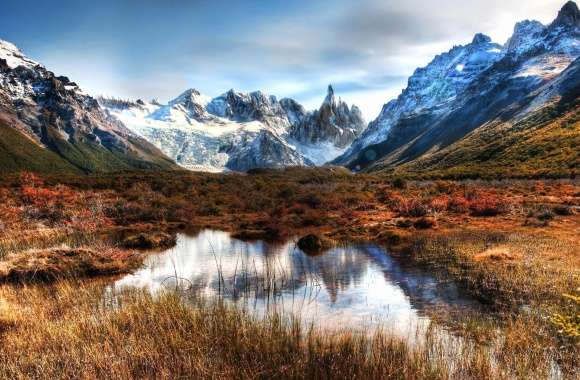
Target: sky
[{"x": 293, "y": 48}]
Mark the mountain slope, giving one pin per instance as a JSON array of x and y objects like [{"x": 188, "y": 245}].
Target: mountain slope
[
  {"x": 480, "y": 85},
  {"x": 18, "y": 153},
  {"x": 241, "y": 131},
  {"x": 540, "y": 141},
  {"x": 54, "y": 115}
]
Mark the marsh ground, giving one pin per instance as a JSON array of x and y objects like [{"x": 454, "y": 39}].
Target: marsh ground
[{"x": 511, "y": 243}]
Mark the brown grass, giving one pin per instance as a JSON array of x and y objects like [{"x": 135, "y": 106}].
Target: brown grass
[
  {"x": 510, "y": 243},
  {"x": 50, "y": 265},
  {"x": 506, "y": 269},
  {"x": 69, "y": 331}
]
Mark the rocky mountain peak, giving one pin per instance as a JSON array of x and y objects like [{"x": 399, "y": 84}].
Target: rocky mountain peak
[
  {"x": 191, "y": 95},
  {"x": 525, "y": 36},
  {"x": 569, "y": 15},
  {"x": 333, "y": 123},
  {"x": 329, "y": 95},
  {"x": 480, "y": 39},
  {"x": 13, "y": 57},
  {"x": 193, "y": 102}
]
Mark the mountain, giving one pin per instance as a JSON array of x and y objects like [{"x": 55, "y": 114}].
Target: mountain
[
  {"x": 334, "y": 126},
  {"x": 241, "y": 131},
  {"x": 469, "y": 91},
  {"x": 49, "y": 124}
]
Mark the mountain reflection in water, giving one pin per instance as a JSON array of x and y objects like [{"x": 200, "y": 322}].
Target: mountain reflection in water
[{"x": 351, "y": 286}]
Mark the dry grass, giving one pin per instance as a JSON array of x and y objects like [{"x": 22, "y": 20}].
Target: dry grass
[
  {"x": 49, "y": 265},
  {"x": 70, "y": 331},
  {"x": 506, "y": 269}
]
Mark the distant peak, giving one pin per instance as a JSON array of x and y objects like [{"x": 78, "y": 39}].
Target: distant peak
[
  {"x": 330, "y": 90},
  {"x": 192, "y": 92},
  {"x": 329, "y": 95},
  {"x": 568, "y": 15},
  {"x": 527, "y": 25},
  {"x": 481, "y": 38},
  {"x": 189, "y": 96}
]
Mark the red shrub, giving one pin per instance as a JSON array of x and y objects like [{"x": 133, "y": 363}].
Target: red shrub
[
  {"x": 458, "y": 204},
  {"x": 406, "y": 206},
  {"x": 488, "y": 205},
  {"x": 440, "y": 203},
  {"x": 39, "y": 197},
  {"x": 30, "y": 179}
]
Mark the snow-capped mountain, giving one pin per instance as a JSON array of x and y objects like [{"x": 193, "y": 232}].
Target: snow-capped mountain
[
  {"x": 241, "y": 131},
  {"x": 333, "y": 127},
  {"x": 51, "y": 115},
  {"x": 464, "y": 88}
]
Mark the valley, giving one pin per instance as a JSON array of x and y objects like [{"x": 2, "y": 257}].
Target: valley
[{"x": 246, "y": 236}]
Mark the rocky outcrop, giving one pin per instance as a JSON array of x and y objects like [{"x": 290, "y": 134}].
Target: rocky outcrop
[
  {"x": 332, "y": 123},
  {"x": 568, "y": 16},
  {"x": 255, "y": 106},
  {"x": 267, "y": 150}
]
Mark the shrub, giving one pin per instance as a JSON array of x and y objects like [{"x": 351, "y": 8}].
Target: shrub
[
  {"x": 458, "y": 204},
  {"x": 404, "y": 223},
  {"x": 414, "y": 208},
  {"x": 545, "y": 215},
  {"x": 425, "y": 223},
  {"x": 563, "y": 210},
  {"x": 440, "y": 203},
  {"x": 311, "y": 200},
  {"x": 487, "y": 205},
  {"x": 399, "y": 183}
]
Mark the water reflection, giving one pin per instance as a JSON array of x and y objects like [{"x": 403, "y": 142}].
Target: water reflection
[{"x": 348, "y": 287}]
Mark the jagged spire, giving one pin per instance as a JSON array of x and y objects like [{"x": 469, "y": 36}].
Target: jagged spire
[
  {"x": 569, "y": 15},
  {"x": 329, "y": 95}
]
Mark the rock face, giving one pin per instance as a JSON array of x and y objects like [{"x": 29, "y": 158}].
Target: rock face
[
  {"x": 333, "y": 122},
  {"x": 465, "y": 88},
  {"x": 568, "y": 16},
  {"x": 242, "y": 131},
  {"x": 56, "y": 115},
  {"x": 267, "y": 150}
]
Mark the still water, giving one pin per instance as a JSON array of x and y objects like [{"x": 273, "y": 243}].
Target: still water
[{"x": 355, "y": 286}]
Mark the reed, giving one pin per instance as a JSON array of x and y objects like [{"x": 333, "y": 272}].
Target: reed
[{"x": 70, "y": 330}]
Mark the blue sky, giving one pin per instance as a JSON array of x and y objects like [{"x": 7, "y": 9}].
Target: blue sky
[{"x": 156, "y": 49}]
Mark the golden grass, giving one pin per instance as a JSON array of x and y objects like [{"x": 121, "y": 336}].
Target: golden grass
[
  {"x": 506, "y": 269},
  {"x": 48, "y": 265},
  {"x": 71, "y": 331}
]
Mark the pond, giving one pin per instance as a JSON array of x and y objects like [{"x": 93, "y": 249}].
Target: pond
[{"x": 355, "y": 286}]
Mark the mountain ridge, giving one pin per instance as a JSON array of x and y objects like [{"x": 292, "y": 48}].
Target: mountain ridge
[
  {"x": 44, "y": 112},
  {"x": 465, "y": 89},
  {"x": 224, "y": 132}
]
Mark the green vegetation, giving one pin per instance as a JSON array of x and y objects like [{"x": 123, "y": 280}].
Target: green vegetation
[
  {"x": 18, "y": 153},
  {"x": 544, "y": 144}
]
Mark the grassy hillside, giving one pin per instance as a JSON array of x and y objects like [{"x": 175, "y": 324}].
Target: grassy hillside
[
  {"x": 17, "y": 153},
  {"x": 544, "y": 144}
]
